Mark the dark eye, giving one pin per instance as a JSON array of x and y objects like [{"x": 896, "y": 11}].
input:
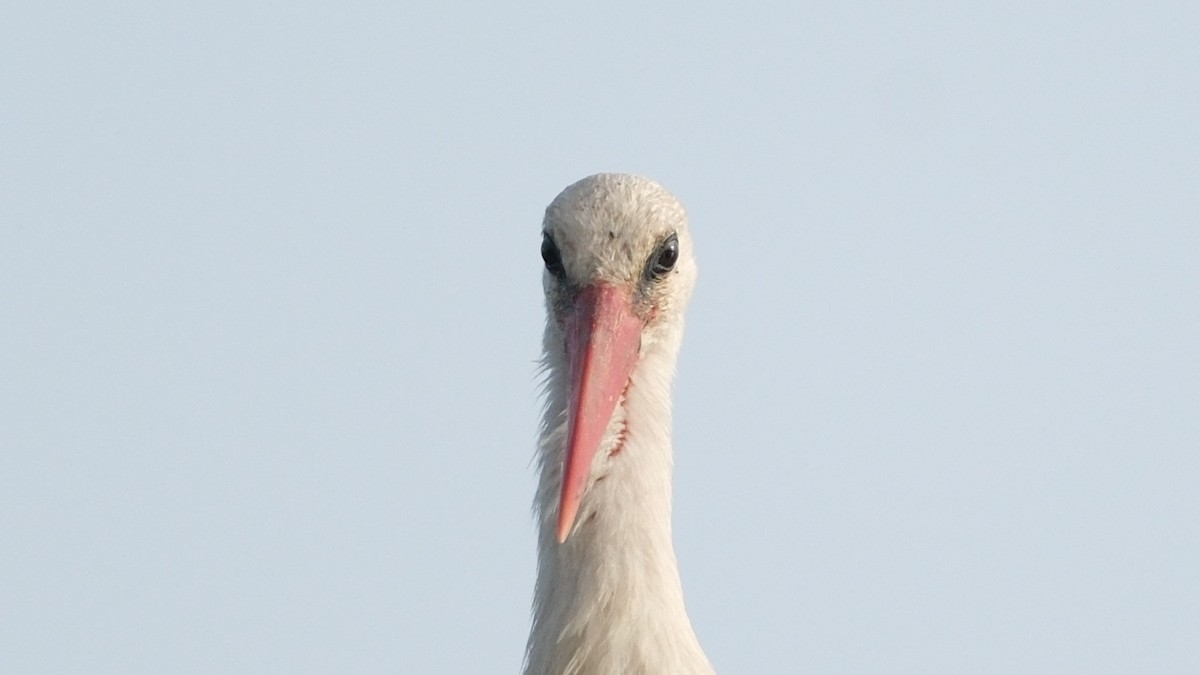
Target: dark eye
[
  {"x": 663, "y": 260},
  {"x": 551, "y": 256}
]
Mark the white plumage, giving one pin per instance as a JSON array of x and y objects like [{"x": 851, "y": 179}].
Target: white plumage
[{"x": 608, "y": 599}]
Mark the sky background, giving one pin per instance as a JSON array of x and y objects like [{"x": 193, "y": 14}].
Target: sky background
[{"x": 270, "y": 307}]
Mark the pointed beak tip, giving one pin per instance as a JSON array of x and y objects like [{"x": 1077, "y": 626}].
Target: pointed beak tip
[{"x": 565, "y": 521}]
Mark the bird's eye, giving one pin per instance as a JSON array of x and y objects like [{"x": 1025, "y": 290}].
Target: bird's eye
[
  {"x": 552, "y": 257},
  {"x": 664, "y": 259}
]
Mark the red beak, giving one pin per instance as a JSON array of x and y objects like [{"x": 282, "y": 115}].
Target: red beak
[{"x": 603, "y": 338}]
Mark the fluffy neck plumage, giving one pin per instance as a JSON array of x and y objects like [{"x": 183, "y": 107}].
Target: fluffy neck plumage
[{"x": 608, "y": 601}]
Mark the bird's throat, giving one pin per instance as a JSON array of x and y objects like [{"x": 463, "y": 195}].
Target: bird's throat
[{"x": 619, "y": 560}]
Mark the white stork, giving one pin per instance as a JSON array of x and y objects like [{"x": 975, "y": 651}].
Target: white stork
[{"x": 619, "y": 272}]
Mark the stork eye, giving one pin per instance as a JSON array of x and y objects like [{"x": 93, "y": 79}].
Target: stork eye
[
  {"x": 552, "y": 257},
  {"x": 664, "y": 259}
]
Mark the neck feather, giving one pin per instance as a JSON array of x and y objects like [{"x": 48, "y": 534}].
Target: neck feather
[{"x": 609, "y": 599}]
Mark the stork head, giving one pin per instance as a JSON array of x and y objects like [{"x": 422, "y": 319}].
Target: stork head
[{"x": 619, "y": 272}]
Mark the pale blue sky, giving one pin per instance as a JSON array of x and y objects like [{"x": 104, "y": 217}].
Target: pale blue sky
[{"x": 270, "y": 306}]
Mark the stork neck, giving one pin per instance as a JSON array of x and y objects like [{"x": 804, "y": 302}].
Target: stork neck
[{"x": 609, "y": 599}]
